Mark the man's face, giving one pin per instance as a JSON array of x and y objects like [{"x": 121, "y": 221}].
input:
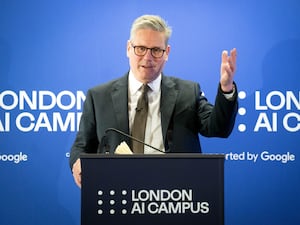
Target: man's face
[{"x": 147, "y": 68}]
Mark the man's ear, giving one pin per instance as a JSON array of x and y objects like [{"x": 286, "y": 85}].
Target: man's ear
[
  {"x": 128, "y": 48},
  {"x": 167, "y": 52}
]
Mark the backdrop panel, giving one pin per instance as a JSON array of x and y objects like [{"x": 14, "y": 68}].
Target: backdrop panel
[{"x": 51, "y": 52}]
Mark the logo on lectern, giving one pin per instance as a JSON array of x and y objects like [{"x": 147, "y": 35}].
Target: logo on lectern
[{"x": 160, "y": 201}]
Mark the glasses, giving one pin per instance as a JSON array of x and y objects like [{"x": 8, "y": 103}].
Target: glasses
[{"x": 142, "y": 50}]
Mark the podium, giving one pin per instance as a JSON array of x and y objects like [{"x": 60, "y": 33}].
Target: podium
[{"x": 177, "y": 189}]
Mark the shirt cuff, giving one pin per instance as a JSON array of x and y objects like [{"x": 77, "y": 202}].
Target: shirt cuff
[{"x": 230, "y": 94}]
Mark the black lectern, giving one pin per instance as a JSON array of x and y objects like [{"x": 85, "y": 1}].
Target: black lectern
[{"x": 177, "y": 189}]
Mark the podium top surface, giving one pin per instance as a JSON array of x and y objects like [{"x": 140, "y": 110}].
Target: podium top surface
[{"x": 168, "y": 155}]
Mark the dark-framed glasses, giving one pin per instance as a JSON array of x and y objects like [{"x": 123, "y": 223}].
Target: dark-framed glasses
[{"x": 142, "y": 50}]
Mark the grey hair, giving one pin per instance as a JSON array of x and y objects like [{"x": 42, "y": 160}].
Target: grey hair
[{"x": 152, "y": 22}]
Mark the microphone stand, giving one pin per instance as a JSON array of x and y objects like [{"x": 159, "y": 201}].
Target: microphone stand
[{"x": 133, "y": 138}]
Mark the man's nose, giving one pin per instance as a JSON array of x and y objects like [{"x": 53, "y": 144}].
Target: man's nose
[{"x": 148, "y": 54}]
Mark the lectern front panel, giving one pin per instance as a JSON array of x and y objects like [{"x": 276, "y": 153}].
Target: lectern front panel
[{"x": 177, "y": 189}]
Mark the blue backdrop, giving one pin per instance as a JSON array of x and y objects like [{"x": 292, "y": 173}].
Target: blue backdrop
[{"x": 51, "y": 52}]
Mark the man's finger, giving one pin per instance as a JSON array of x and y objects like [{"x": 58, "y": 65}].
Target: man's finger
[
  {"x": 77, "y": 178},
  {"x": 224, "y": 56},
  {"x": 233, "y": 54},
  {"x": 77, "y": 172}
]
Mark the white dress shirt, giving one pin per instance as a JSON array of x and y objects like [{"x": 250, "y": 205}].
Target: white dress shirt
[{"x": 153, "y": 133}]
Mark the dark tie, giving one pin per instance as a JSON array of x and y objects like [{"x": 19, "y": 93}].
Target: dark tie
[{"x": 140, "y": 120}]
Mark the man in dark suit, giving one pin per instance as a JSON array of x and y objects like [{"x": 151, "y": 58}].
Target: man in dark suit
[{"x": 177, "y": 111}]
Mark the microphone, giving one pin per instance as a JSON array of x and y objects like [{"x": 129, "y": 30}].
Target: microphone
[
  {"x": 133, "y": 138},
  {"x": 138, "y": 109}
]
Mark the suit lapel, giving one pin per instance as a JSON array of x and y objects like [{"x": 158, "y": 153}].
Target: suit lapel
[
  {"x": 168, "y": 99},
  {"x": 119, "y": 97}
]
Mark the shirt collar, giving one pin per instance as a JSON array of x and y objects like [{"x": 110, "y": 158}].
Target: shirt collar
[{"x": 134, "y": 85}]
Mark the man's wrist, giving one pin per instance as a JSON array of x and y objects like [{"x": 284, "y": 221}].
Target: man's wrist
[
  {"x": 228, "y": 90},
  {"x": 229, "y": 94}
]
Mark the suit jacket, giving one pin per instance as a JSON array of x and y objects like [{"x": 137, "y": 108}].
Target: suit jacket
[{"x": 185, "y": 113}]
